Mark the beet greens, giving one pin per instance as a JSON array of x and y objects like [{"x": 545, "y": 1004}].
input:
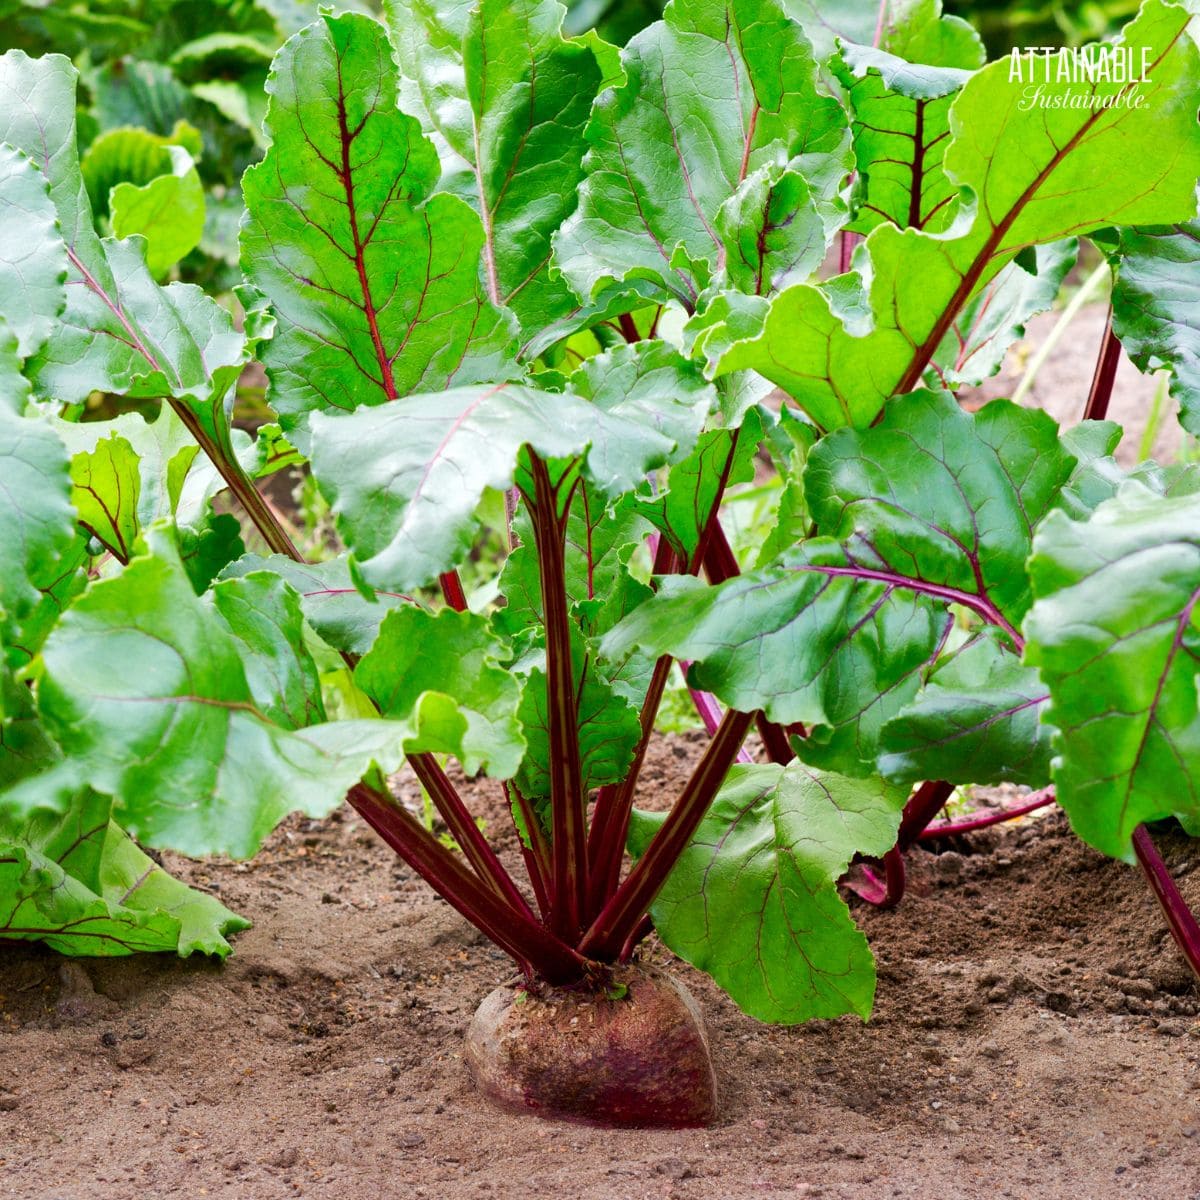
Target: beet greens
[{"x": 503, "y": 279}]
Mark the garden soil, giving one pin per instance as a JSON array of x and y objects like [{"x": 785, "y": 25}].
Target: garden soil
[{"x": 1035, "y": 1035}]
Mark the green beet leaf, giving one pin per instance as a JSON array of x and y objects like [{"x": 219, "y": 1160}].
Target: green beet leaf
[
  {"x": 508, "y": 96},
  {"x": 374, "y": 280},
  {"x": 145, "y": 689},
  {"x": 712, "y": 93},
  {"x": 262, "y": 611},
  {"x": 976, "y": 720},
  {"x": 33, "y": 259},
  {"x": 120, "y": 333},
  {"x": 683, "y": 510},
  {"x": 441, "y": 674},
  {"x": 1156, "y": 295},
  {"x": 1114, "y": 634},
  {"x": 910, "y": 29},
  {"x": 405, "y": 481},
  {"x": 753, "y": 900},
  {"x": 933, "y": 507},
  {"x": 772, "y": 232},
  {"x": 105, "y": 487},
  {"x": 901, "y": 129},
  {"x": 841, "y": 349},
  {"x": 37, "y": 526},
  {"x": 81, "y": 885},
  {"x": 329, "y": 598},
  {"x": 168, "y": 212}
]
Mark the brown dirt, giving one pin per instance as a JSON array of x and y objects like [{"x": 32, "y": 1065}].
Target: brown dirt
[{"x": 1036, "y": 1035}]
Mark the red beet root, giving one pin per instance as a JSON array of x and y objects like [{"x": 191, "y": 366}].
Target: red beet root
[{"x": 632, "y": 1052}]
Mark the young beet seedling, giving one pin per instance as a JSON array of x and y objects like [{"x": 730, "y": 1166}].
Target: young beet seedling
[{"x": 499, "y": 276}]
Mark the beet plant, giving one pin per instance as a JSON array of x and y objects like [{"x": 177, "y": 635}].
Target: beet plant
[{"x": 499, "y": 277}]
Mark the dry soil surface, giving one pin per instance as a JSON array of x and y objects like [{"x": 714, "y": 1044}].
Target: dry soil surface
[{"x": 1036, "y": 1035}]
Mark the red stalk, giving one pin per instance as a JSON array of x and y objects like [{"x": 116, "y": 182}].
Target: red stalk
[
  {"x": 1105, "y": 374},
  {"x": 952, "y": 828},
  {"x": 619, "y": 918},
  {"x": 610, "y": 821},
  {"x": 452, "y": 591},
  {"x": 1180, "y": 919},
  {"x": 465, "y": 832},
  {"x": 923, "y": 805},
  {"x": 567, "y": 804},
  {"x": 532, "y": 945},
  {"x": 537, "y": 853}
]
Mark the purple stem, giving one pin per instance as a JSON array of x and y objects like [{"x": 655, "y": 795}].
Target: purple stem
[
  {"x": 1105, "y": 374},
  {"x": 1181, "y": 921},
  {"x": 951, "y": 828}
]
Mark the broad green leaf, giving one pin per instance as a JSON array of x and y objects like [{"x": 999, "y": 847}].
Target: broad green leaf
[
  {"x": 80, "y": 884},
  {"x": 262, "y": 611},
  {"x": 1037, "y": 174},
  {"x": 651, "y": 385},
  {"x": 933, "y": 507},
  {"x": 168, "y": 212},
  {"x": 405, "y": 481},
  {"x": 441, "y": 674},
  {"x": 942, "y": 497},
  {"x": 910, "y": 29},
  {"x": 509, "y": 97},
  {"x": 144, "y": 687},
  {"x": 753, "y": 900},
  {"x": 165, "y": 455},
  {"x": 713, "y": 92},
  {"x": 374, "y": 281},
  {"x": 811, "y": 643},
  {"x": 901, "y": 129},
  {"x": 976, "y": 720},
  {"x": 129, "y": 473},
  {"x": 37, "y": 524},
  {"x": 33, "y": 259},
  {"x": 1156, "y": 299},
  {"x": 331, "y": 602},
  {"x": 1116, "y": 636}
]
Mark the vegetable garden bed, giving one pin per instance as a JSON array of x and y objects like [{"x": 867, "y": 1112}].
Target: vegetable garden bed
[
  {"x": 539, "y": 319},
  {"x": 1029, "y": 1037}
]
